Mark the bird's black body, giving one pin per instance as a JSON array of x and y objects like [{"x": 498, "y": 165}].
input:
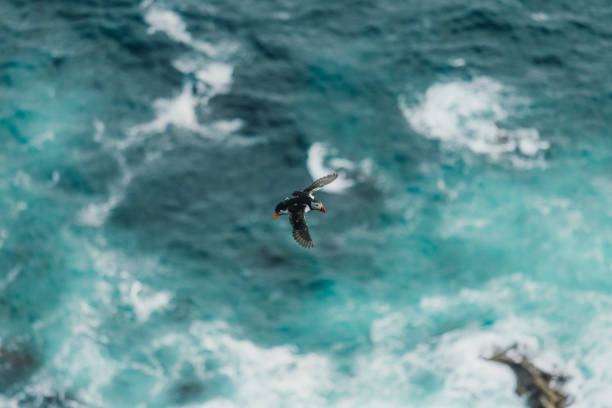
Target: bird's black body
[{"x": 299, "y": 205}]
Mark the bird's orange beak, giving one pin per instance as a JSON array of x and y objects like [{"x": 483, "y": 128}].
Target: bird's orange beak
[
  {"x": 322, "y": 208},
  {"x": 277, "y": 215}
]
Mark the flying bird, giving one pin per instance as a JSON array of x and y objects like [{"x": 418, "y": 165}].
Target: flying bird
[{"x": 299, "y": 205}]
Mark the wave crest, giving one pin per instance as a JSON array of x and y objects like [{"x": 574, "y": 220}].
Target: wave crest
[{"x": 469, "y": 114}]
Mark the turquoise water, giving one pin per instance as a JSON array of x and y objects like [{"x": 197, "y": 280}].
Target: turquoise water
[{"x": 145, "y": 145}]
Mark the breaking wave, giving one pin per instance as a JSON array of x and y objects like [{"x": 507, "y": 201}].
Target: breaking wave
[{"x": 472, "y": 115}]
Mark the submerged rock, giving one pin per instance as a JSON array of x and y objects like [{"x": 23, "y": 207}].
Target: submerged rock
[
  {"x": 542, "y": 389},
  {"x": 187, "y": 391},
  {"x": 52, "y": 400},
  {"x": 17, "y": 362}
]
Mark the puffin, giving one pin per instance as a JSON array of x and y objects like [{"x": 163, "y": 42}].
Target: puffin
[{"x": 298, "y": 205}]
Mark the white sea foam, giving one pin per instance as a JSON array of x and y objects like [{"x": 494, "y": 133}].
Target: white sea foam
[
  {"x": 18, "y": 207},
  {"x": 79, "y": 359},
  {"x": 171, "y": 24},
  {"x": 95, "y": 214},
  {"x": 55, "y": 177},
  {"x": 227, "y": 126},
  {"x": 390, "y": 377},
  {"x": 595, "y": 391},
  {"x": 504, "y": 290},
  {"x": 82, "y": 358},
  {"x": 462, "y": 226},
  {"x": 179, "y": 111},
  {"x": 217, "y": 75},
  {"x": 388, "y": 329},
  {"x": 3, "y": 236},
  {"x": 144, "y": 300},
  {"x": 39, "y": 141},
  {"x": 99, "y": 128},
  {"x": 317, "y": 169},
  {"x": 457, "y": 62},
  {"x": 267, "y": 377},
  {"x": 469, "y": 114},
  {"x": 11, "y": 276},
  {"x": 322, "y": 161},
  {"x": 540, "y": 17},
  {"x": 282, "y": 15},
  {"x": 207, "y": 79},
  {"x": 22, "y": 180}
]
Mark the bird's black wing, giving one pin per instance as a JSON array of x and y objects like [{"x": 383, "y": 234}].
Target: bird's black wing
[
  {"x": 282, "y": 206},
  {"x": 320, "y": 183},
  {"x": 300, "y": 229}
]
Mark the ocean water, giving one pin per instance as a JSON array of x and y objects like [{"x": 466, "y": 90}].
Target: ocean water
[{"x": 144, "y": 146}]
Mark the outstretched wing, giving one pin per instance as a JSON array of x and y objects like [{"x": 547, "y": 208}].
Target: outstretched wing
[
  {"x": 300, "y": 229},
  {"x": 320, "y": 183}
]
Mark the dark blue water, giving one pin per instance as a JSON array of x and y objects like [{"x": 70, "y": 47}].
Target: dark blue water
[{"x": 145, "y": 145}]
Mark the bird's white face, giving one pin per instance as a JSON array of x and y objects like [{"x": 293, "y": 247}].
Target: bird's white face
[{"x": 317, "y": 205}]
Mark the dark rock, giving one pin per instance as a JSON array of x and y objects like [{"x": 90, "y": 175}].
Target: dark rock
[
  {"x": 17, "y": 363},
  {"x": 541, "y": 388},
  {"x": 53, "y": 400},
  {"x": 187, "y": 390}
]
